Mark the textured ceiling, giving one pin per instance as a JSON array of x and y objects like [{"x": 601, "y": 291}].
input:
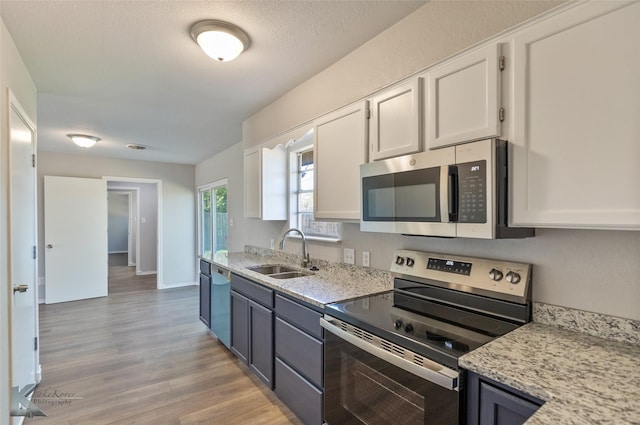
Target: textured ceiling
[{"x": 129, "y": 72}]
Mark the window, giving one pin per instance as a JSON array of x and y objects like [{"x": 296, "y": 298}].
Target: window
[
  {"x": 302, "y": 199},
  {"x": 212, "y": 220}
]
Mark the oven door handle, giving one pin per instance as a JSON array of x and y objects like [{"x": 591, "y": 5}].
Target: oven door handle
[{"x": 431, "y": 371}]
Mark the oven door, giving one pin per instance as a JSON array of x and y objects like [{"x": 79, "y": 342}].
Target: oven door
[{"x": 367, "y": 384}]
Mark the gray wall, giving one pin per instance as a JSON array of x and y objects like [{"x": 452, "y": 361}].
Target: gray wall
[
  {"x": 118, "y": 221},
  {"x": 177, "y": 210},
  {"x": 584, "y": 269}
]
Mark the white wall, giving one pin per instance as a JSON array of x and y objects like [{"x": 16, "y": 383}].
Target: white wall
[
  {"x": 589, "y": 270},
  {"x": 177, "y": 209},
  {"x": 14, "y": 76}
]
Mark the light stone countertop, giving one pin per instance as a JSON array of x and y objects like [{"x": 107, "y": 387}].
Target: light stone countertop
[
  {"x": 332, "y": 283},
  {"x": 583, "y": 379}
]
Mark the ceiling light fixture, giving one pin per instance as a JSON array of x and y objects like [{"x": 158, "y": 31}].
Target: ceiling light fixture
[
  {"x": 220, "y": 40},
  {"x": 83, "y": 140}
]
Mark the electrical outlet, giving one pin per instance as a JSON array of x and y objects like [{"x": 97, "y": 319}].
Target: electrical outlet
[
  {"x": 272, "y": 244},
  {"x": 349, "y": 256},
  {"x": 365, "y": 258}
]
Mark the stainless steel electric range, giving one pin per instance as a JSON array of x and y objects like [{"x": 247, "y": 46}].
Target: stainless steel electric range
[{"x": 392, "y": 358}]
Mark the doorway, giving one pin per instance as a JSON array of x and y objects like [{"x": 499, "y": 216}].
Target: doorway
[{"x": 135, "y": 229}]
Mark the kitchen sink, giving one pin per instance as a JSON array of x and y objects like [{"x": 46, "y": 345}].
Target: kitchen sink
[
  {"x": 289, "y": 275},
  {"x": 272, "y": 269},
  {"x": 278, "y": 271}
]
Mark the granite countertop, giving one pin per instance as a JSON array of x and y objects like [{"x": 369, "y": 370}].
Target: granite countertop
[
  {"x": 331, "y": 283},
  {"x": 583, "y": 379}
]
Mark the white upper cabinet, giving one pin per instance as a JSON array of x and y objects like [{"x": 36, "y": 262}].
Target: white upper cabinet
[
  {"x": 396, "y": 121},
  {"x": 576, "y": 137},
  {"x": 265, "y": 183},
  {"x": 463, "y": 98},
  {"x": 340, "y": 146}
]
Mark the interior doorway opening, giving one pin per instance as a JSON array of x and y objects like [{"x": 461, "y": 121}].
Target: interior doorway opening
[{"x": 135, "y": 228}]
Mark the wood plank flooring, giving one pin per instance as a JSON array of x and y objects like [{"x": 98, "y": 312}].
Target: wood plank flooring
[{"x": 141, "y": 356}]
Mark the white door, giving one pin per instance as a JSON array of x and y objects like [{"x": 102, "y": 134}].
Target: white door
[
  {"x": 24, "y": 330},
  {"x": 76, "y": 244}
]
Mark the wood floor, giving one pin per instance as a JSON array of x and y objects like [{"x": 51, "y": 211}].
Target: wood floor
[{"x": 141, "y": 356}]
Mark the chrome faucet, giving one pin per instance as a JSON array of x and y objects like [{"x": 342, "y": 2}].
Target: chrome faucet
[{"x": 305, "y": 255}]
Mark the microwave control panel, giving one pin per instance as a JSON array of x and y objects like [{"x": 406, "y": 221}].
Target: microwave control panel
[{"x": 472, "y": 192}]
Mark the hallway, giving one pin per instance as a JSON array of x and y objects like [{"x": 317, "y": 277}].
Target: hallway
[{"x": 142, "y": 356}]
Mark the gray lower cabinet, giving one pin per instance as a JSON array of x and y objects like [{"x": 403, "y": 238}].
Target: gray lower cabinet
[
  {"x": 491, "y": 403},
  {"x": 252, "y": 326},
  {"x": 299, "y": 359}
]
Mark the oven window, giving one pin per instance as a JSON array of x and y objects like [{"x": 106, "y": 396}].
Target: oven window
[
  {"x": 363, "y": 389},
  {"x": 404, "y": 196}
]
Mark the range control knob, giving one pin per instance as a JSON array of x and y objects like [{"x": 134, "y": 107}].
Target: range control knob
[
  {"x": 513, "y": 277},
  {"x": 410, "y": 262},
  {"x": 397, "y": 324},
  {"x": 495, "y": 274},
  {"x": 408, "y": 327},
  {"x": 399, "y": 260}
]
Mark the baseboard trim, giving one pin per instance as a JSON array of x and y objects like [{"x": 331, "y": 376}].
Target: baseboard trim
[
  {"x": 145, "y": 273},
  {"x": 118, "y": 252},
  {"x": 178, "y": 285}
]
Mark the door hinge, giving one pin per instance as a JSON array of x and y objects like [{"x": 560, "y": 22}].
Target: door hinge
[
  {"x": 367, "y": 113},
  {"x": 35, "y": 344},
  {"x": 33, "y": 160},
  {"x": 34, "y": 252},
  {"x": 501, "y": 114},
  {"x": 501, "y": 63}
]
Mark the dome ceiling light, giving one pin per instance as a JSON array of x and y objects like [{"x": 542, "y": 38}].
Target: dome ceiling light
[
  {"x": 220, "y": 40},
  {"x": 83, "y": 140}
]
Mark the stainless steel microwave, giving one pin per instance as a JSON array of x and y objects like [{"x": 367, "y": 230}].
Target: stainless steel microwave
[{"x": 459, "y": 191}]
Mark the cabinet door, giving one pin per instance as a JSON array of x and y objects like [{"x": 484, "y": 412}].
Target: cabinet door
[
  {"x": 340, "y": 146},
  {"x": 396, "y": 121},
  {"x": 463, "y": 99},
  {"x": 205, "y": 299},
  {"x": 576, "y": 105},
  {"x": 240, "y": 326},
  {"x": 499, "y": 407},
  {"x": 261, "y": 342},
  {"x": 265, "y": 183}
]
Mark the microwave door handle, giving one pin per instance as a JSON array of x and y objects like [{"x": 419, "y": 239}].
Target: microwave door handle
[{"x": 452, "y": 193}]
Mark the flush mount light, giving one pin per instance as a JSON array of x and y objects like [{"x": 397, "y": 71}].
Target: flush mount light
[
  {"x": 83, "y": 140},
  {"x": 137, "y": 147},
  {"x": 220, "y": 40}
]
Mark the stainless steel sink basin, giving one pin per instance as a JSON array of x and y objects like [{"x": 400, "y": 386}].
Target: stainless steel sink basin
[
  {"x": 278, "y": 271},
  {"x": 272, "y": 269},
  {"x": 288, "y": 275}
]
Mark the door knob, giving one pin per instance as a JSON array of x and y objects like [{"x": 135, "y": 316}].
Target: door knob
[
  {"x": 20, "y": 288},
  {"x": 49, "y": 246}
]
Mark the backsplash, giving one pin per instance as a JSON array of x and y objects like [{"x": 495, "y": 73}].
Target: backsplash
[{"x": 600, "y": 325}]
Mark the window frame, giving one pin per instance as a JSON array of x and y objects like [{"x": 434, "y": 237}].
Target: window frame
[
  {"x": 211, "y": 187},
  {"x": 295, "y": 148}
]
